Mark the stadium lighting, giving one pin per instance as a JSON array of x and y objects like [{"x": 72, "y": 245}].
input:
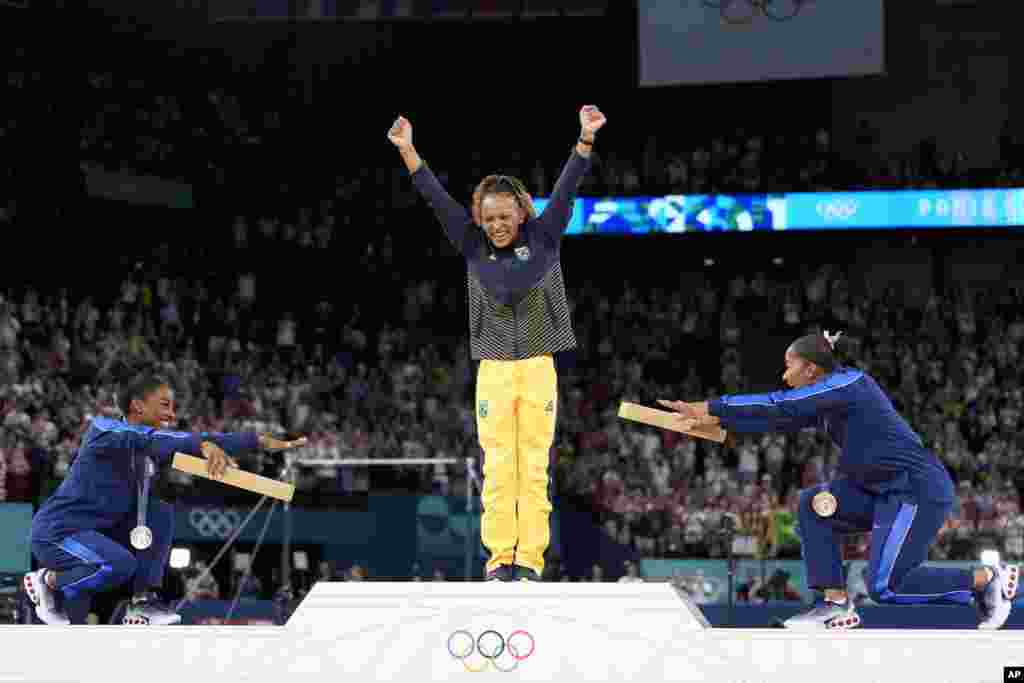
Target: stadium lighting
[
  {"x": 300, "y": 560},
  {"x": 990, "y": 558},
  {"x": 181, "y": 558}
]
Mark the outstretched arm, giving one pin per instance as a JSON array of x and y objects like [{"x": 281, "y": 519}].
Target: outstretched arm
[
  {"x": 455, "y": 219},
  {"x": 558, "y": 212},
  {"x": 803, "y": 406},
  {"x": 239, "y": 443},
  {"x": 162, "y": 444},
  {"x": 806, "y": 403},
  {"x": 235, "y": 443},
  {"x": 696, "y": 415}
]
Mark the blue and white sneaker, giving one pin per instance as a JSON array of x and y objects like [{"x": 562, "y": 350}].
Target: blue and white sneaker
[
  {"x": 995, "y": 600},
  {"x": 44, "y": 598},
  {"x": 147, "y": 610},
  {"x": 826, "y": 616}
]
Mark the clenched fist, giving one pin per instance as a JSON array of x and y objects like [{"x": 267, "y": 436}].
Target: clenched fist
[
  {"x": 400, "y": 133},
  {"x": 591, "y": 120}
]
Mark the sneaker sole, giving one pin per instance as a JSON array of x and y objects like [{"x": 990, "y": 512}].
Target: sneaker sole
[
  {"x": 47, "y": 618},
  {"x": 836, "y": 624},
  {"x": 144, "y": 621},
  {"x": 30, "y": 589},
  {"x": 843, "y": 623},
  {"x": 1011, "y": 581}
]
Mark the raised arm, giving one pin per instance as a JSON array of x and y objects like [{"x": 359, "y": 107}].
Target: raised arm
[
  {"x": 455, "y": 219},
  {"x": 555, "y": 218}
]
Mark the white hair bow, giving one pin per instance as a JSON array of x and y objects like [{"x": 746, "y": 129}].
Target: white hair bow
[{"x": 832, "y": 338}]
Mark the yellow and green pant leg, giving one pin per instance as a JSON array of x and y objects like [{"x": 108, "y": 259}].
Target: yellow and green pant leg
[{"x": 516, "y": 415}]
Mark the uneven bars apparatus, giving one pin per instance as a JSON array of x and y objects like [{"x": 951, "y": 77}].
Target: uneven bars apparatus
[
  {"x": 629, "y": 411},
  {"x": 472, "y": 484},
  {"x": 238, "y": 478}
]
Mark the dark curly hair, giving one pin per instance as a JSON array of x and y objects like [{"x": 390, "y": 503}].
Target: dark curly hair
[{"x": 137, "y": 385}]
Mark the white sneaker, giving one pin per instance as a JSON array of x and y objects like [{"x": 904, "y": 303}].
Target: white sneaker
[
  {"x": 995, "y": 601},
  {"x": 826, "y": 616},
  {"x": 150, "y": 612},
  {"x": 44, "y": 598}
]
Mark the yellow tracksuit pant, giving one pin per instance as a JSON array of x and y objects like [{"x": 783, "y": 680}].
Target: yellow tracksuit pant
[{"x": 517, "y": 405}]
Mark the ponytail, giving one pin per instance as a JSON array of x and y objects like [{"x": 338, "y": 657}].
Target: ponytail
[{"x": 819, "y": 349}]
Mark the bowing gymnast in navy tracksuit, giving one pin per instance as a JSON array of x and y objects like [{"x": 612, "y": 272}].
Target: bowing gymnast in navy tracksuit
[
  {"x": 80, "y": 535},
  {"x": 888, "y": 484}
]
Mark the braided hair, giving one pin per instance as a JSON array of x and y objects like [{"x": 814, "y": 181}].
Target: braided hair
[{"x": 502, "y": 184}]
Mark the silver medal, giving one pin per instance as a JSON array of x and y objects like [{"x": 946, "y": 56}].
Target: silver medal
[{"x": 141, "y": 537}]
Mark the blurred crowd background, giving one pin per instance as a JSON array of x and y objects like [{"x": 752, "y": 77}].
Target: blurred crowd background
[{"x": 310, "y": 291}]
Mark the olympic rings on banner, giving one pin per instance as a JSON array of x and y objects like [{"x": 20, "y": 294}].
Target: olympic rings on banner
[{"x": 491, "y": 645}]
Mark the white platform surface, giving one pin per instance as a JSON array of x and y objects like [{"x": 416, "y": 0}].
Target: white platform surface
[{"x": 583, "y": 632}]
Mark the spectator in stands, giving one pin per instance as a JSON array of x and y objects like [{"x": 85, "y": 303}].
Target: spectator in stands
[
  {"x": 777, "y": 587},
  {"x": 632, "y": 574}
]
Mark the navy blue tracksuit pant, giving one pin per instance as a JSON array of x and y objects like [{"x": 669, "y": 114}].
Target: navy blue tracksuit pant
[
  {"x": 89, "y": 562},
  {"x": 902, "y": 529}
]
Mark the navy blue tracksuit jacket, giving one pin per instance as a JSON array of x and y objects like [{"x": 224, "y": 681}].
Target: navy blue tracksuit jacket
[
  {"x": 100, "y": 492},
  {"x": 880, "y": 452},
  {"x": 888, "y": 485}
]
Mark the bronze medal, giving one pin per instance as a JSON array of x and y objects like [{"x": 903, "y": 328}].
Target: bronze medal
[{"x": 824, "y": 504}]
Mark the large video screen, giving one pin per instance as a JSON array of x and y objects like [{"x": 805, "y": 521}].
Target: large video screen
[
  {"x": 796, "y": 211},
  {"x": 735, "y": 41}
]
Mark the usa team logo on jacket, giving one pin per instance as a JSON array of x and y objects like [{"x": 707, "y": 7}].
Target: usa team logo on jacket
[{"x": 523, "y": 253}]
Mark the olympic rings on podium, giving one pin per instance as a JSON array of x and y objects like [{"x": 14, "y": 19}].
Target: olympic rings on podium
[{"x": 491, "y": 645}]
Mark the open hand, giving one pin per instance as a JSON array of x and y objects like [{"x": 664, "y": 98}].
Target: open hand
[
  {"x": 591, "y": 120},
  {"x": 400, "y": 133},
  {"x": 218, "y": 460},
  {"x": 689, "y": 410},
  {"x": 690, "y": 415}
]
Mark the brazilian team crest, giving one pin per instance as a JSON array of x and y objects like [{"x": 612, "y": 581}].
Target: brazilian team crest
[
  {"x": 550, "y": 407},
  {"x": 483, "y": 408}
]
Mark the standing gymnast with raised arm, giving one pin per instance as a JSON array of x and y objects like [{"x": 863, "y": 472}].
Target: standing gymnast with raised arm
[{"x": 518, "y": 320}]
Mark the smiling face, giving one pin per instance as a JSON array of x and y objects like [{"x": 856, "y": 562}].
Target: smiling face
[
  {"x": 156, "y": 409},
  {"x": 501, "y": 217}
]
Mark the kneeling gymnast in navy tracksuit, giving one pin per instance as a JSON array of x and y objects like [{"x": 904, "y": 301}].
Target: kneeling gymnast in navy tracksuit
[
  {"x": 889, "y": 484},
  {"x": 80, "y": 535}
]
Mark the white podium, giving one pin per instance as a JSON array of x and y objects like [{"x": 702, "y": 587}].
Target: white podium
[{"x": 526, "y": 631}]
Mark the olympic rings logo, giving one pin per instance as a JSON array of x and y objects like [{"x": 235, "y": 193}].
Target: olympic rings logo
[
  {"x": 837, "y": 209},
  {"x": 213, "y": 523},
  {"x": 497, "y": 652}
]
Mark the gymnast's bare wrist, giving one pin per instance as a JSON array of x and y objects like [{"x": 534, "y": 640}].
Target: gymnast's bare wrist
[{"x": 412, "y": 160}]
